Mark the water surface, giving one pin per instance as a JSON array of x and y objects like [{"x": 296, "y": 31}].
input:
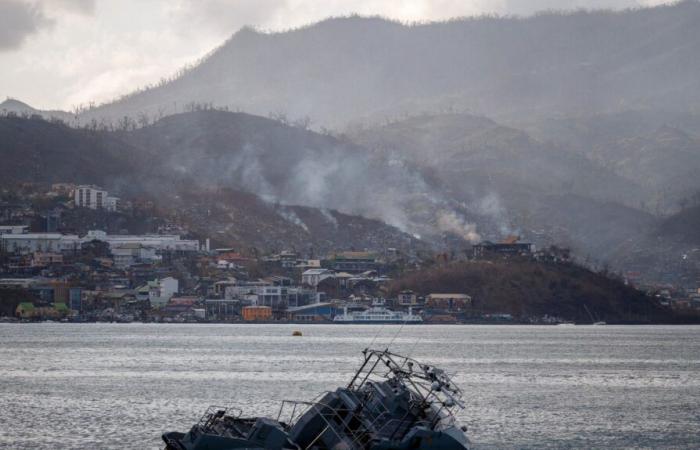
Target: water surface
[{"x": 90, "y": 386}]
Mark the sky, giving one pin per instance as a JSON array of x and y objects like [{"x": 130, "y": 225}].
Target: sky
[{"x": 58, "y": 54}]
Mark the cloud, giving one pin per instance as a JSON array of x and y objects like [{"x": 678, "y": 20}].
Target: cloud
[
  {"x": 227, "y": 16},
  {"x": 82, "y": 7},
  {"x": 19, "y": 20}
]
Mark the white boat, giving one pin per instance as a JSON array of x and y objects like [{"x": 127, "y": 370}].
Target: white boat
[{"x": 378, "y": 314}]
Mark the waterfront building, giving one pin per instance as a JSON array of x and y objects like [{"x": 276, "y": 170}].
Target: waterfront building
[{"x": 256, "y": 313}]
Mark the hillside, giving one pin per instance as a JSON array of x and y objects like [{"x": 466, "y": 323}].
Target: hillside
[
  {"x": 348, "y": 69},
  {"x": 659, "y": 152},
  {"x": 540, "y": 190},
  {"x": 134, "y": 167},
  {"x": 683, "y": 226},
  {"x": 527, "y": 289},
  {"x": 35, "y": 150},
  {"x": 14, "y": 106}
]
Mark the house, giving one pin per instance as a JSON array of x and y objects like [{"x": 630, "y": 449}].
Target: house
[
  {"x": 448, "y": 302},
  {"x": 180, "y": 305},
  {"x": 43, "y": 259},
  {"x": 407, "y": 298},
  {"x": 312, "y": 277}
]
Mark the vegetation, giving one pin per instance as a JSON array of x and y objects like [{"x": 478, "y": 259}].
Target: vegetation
[{"x": 529, "y": 289}]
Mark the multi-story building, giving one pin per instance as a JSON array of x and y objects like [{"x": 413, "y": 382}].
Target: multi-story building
[
  {"x": 313, "y": 277},
  {"x": 93, "y": 197}
]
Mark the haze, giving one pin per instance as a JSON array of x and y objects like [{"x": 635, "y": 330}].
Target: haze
[{"x": 56, "y": 54}]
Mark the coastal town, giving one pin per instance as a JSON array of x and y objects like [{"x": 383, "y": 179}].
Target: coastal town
[{"x": 48, "y": 272}]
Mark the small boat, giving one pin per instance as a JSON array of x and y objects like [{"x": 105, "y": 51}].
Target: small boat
[
  {"x": 391, "y": 403},
  {"x": 296, "y": 333},
  {"x": 598, "y": 324},
  {"x": 378, "y": 314}
]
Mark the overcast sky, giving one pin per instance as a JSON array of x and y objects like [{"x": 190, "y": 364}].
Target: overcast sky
[{"x": 61, "y": 53}]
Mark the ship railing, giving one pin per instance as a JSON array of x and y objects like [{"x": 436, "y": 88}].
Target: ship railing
[
  {"x": 334, "y": 421},
  {"x": 214, "y": 413}
]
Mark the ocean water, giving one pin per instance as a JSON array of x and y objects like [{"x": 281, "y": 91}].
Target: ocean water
[{"x": 119, "y": 386}]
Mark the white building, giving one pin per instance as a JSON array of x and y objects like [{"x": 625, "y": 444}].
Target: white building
[
  {"x": 312, "y": 277},
  {"x": 159, "y": 242},
  {"x": 93, "y": 197},
  {"x": 13, "y": 229},
  {"x": 38, "y": 242},
  {"x": 128, "y": 254},
  {"x": 161, "y": 291}
]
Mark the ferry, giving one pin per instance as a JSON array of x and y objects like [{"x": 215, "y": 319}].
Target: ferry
[{"x": 378, "y": 314}]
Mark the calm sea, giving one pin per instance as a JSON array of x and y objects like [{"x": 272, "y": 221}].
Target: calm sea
[{"x": 104, "y": 386}]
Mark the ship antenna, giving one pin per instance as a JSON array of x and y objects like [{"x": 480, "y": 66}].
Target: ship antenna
[
  {"x": 376, "y": 336},
  {"x": 397, "y": 334}
]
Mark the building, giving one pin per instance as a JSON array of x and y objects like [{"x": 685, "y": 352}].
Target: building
[
  {"x": 28, "y": 310},
  {"x": 93, "y": 197},
  {"x": 274, "y": 293},
  {"x": 222, "y": 309},
  {"x": 162, "y": 290},
  {"x": 407, "y": 298},
  {"x": 313, "y": 312},
  {"x": 13, "y": 229},
  {"x": 180, "y": 305},
  {"x": 353, "y": 262},
  {"x": 130, "y": 253},
  {"x": 256, "y": 313},
  {"x": 43, "y": 259},
  {"x": 313, "y": 277},
  {"x": 75, "y": 299},
  {"x": 159, "y": 242},
  {"x": 448, "y": 302},
  {"x": 510, "y": 246},
  {"x": 27, "y": 243}
]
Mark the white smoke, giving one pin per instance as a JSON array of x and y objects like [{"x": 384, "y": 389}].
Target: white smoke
[
  {"x": 328, "y": 215},
  {"x": 451, "y": 221},
  {"x": 490, "y": 206},
  {"x": 290, "y": 216}
]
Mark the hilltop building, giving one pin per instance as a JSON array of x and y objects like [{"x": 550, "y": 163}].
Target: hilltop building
[
  {"x": 93, "y": 197},
  {"x": 511, "y": 246}
]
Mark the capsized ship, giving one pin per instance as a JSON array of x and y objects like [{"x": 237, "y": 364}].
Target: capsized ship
[{"x": 392, "y": 403}]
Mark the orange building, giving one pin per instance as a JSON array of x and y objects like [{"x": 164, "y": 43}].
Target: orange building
[{"x": 253, "y": 313}]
